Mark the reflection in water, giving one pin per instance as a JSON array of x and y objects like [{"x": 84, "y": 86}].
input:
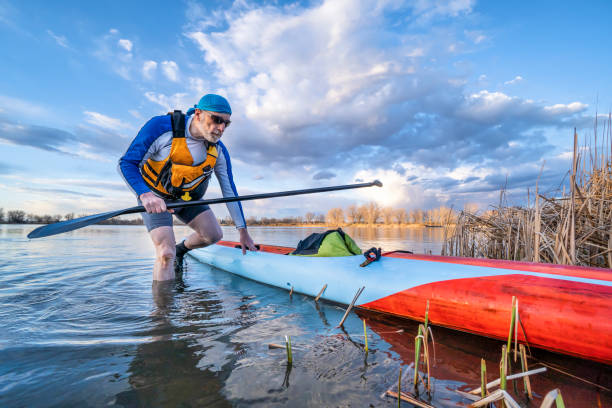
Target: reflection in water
[
  {"x": 165, "y": 371},
  {"x": 80, "y": 325},
  {"x": 457, "y": 362},
  {"x": 418, "y": 239}
]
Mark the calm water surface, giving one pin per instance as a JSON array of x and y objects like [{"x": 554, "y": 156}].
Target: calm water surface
[{"x": 82, "y": 325}]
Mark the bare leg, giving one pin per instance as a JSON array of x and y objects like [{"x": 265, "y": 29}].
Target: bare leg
[
  {"x": 207, "y": 231},
  {"x": 163, "y": 240}
]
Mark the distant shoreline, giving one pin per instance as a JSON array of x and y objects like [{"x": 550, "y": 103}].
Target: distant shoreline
[{"x": 328, "y": 226}]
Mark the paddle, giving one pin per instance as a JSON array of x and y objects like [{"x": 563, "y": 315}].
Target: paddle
[{"x": 76, "y": 223}]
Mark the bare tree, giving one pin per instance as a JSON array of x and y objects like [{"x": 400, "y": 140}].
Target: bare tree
[
  {"x": 309, "y": 217},
  {"x": 1, "y": 214},
  {"x": 353, "y": 214},
  {"x": 388, "y": 215},
  {"x": 16, "y": 217},
  {"x": 335, "y": 216},
  {"x": 400, "y": 216},
  {"x": 319, "y": 218},
  {"x": 372, "y": 212},
  {"x": 417, "y": 216}
]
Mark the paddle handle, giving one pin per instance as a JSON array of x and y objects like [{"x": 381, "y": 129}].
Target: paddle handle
[{"x": 184, "y": 204}]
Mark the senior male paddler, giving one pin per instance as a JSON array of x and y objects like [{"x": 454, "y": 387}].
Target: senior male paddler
[{"x": 172, "y": 158}]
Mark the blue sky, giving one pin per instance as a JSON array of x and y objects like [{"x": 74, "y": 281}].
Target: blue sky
[{"x": 441, "y": 100}]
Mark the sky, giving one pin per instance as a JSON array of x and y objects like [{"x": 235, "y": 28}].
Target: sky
[{"x": 445, "y": 102}]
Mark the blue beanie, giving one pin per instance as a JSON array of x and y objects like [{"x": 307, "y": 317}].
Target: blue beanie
[{"x": 212, "y": 103}]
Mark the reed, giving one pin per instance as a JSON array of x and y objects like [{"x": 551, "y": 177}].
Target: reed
[
  {"x": 497, "y": 382},
  {"x": 512, "y": 322},
  {"x": 417, "y": 356},
  {"x": 483, "y": 378},
  {"x": 365, "y": 335},
  {"x": 499, "y": 395},
  {"x": 553, "y": 397},
  {"x": 321, "y": 292},
  {"x": 399, "y": 388},
  {"x": 421, "y": 335},
  {"x": 289, "y": 353},
  {"x": 408, "y": 398},
  {"x": 571, "y": 227},
  {"x": 503, "y": 367},
  {"x": 525, "y": 367},
  {"x": 348, "y": 310}
]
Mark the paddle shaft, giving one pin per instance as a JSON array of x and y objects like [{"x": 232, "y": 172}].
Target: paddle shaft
[
  {"x": 71, "y": 225},
  {"x": 221, "y": 200}
]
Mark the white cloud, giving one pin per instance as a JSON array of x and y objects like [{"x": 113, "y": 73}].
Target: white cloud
[
  {"x": 429, "y": 9},
  {"x": 21, "y": 107},
  {"x": 395, "y": 192},
  {"x": 59, "y": 39},
  {"x": 485, "y": 101},
  {"x": 113, "y": 31},
  {"x": 169, "y": 103},
  {"x": 170, "y": 70},
  {"x": 116, "y": 53},
  {"x": 198, "y": 85},
  {"x": 475, "y": 36},
  {"x": 561, "y": 109},
  {"x": 125, "y": 44},
  {"x": 148, "y": 69},
  {"x": 135, "y": 113},
  {"x": 103, "y": 121},
  {"x": 516, "y": 80},
  {"x": 299, "y": 78}
]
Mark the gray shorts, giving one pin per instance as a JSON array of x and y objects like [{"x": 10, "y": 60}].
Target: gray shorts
[{"x": 164, "y": 219}]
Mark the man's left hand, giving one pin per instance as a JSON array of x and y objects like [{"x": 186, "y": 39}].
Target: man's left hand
[{"x": 246, "y": 242}]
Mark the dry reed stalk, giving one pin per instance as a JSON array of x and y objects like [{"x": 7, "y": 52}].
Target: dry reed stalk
[
  {"x": 573, "y": 227},
  {"x": 350, "y": 306},
  {"x": 499, "y": 395},
  {"x": 421, "y": 335},
  {"x": 553, "y": 397},
  {"x": 468, "y": 396},
  {"x": 426, "y": 359},
  {"x": 503, "y": 368},
  {"x": 557, "y": 369},
  {"x": 483, "y": 378},
  {"x": 274, "y": 345},
  {"x": 405, "y": 397},
  {"x": 525, "y": 367},
  {"x": 497, "y": 382},
  {"x": 536, "y": 222},
  {"x": 321, "y": 292}
]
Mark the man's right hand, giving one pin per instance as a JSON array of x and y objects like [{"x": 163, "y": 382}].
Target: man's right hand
[{"x": 153, "y": 203}]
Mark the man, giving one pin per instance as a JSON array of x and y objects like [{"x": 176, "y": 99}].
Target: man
[{"x": 172, "y": 158}]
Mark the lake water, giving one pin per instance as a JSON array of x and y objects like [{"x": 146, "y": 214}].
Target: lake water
[{"x": 82, "y": 325}]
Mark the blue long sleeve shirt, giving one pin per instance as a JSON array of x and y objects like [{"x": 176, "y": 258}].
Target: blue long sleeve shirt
[{"x": 154, "y": 141}]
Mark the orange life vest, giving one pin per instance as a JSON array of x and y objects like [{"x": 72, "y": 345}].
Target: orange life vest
[{"x": 176, "y": 177}]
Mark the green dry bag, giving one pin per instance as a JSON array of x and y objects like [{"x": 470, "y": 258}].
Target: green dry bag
[{"x": 328, "y": 243}]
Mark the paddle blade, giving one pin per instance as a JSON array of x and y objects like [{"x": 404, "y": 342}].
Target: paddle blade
[{"x": 71, "y": 225}]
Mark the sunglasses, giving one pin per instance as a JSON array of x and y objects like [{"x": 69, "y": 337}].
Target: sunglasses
[{"x": 219, "y": 120}]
